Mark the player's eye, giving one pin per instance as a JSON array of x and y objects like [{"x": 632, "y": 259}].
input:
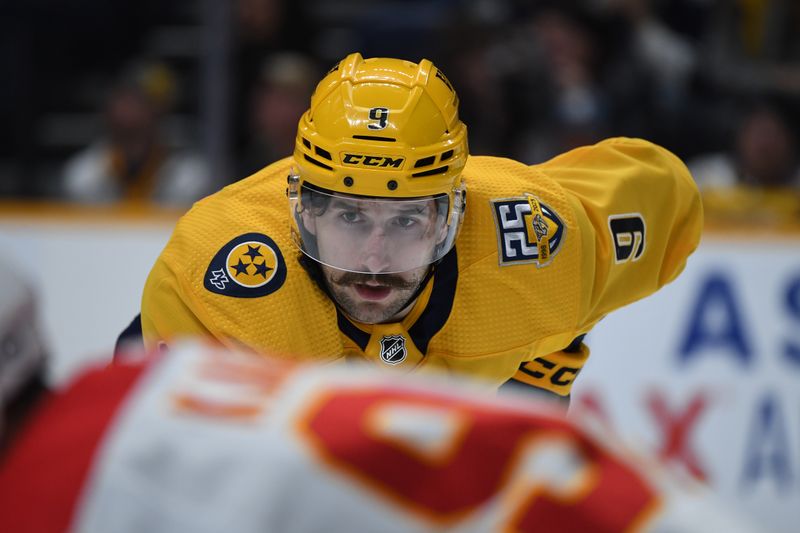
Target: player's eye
[
  {"x": 351, "y": 217},
  {"x": 405, "y": 222}
]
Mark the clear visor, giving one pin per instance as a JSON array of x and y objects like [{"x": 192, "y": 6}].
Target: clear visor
[{"x": 374, "y": 235}]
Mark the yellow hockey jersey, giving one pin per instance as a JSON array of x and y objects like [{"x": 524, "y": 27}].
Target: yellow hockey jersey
[{"x": 545, "y": 252}]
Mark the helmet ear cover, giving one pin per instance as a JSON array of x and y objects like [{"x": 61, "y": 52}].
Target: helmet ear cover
[{"x": 314, "y": 199}]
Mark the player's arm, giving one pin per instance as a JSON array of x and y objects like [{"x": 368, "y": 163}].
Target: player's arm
[
  {"x": 639, "y": 217},
  {"x": 550, "y": 376},
  {"x": 166, "y": 309}
]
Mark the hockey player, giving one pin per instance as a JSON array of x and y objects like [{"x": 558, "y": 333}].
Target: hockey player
[
  {"x": 414, "y": 254},
  {"x": 23, "y": 354},
  {"x": 205, "y": 441}
]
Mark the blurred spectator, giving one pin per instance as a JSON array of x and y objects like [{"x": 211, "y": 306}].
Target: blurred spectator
[
  {"x": 278, "y": 99},
  {"x": 476, "y": 59},
  {"x": 754, "y": 45},
  {"x": 758, "y": 179},
  {"x": 133, "y": 160},
  {"x": 667, "y": 55},
  {"x": 653, "y": 66},
  {"x": 567, "y": 101},
  {"x": 537, "y": 77},
  {"x": 262, "y": 29},
  {"x": 48, "y": 44}
]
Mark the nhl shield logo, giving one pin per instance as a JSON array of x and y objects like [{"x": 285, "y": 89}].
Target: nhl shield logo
[{"x": 393, "y": 349}]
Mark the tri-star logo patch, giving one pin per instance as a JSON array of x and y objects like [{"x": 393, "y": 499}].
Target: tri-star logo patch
[{"x": 249, "y": 266}]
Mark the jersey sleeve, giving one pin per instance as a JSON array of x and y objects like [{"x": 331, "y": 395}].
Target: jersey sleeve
[
  {"x": 165, "y": 312},
  {"x": 639, "y": 217}
]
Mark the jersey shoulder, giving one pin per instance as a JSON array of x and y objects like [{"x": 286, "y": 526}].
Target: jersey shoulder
[
  {"x": 518, "y": 263},
  {"x": 547, "y": 250},
  {"x": 520, "y": 206},
  {"x": 252, "y": 201},
  {"x": 230, "y": 269}
]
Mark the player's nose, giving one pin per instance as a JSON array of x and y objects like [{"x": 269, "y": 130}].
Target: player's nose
[{"x": 376, "y": 251}]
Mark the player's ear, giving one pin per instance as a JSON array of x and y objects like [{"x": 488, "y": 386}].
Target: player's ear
[
  {"x": 309, "y": 221},
  {"x": 441, "y": 234},
  {"x": 441, "y": 228}
]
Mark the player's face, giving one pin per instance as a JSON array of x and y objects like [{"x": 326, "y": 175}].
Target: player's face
[{"x": 377, "y": 248}]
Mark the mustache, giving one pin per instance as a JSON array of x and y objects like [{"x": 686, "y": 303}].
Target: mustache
[{"x": 386, "y": 280}]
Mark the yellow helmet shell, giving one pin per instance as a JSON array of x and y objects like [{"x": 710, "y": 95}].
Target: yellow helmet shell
[{"x": 382, "y": 127}]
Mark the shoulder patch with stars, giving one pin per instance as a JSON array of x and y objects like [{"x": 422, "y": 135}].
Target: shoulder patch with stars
[
  {"x": 249, "y": 266},
  {"x": 528, "y": 231}
]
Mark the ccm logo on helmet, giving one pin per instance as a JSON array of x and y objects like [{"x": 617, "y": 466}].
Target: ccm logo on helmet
[{"x": 372, "y": 160}]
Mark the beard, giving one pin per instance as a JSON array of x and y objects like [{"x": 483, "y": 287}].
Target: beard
[{"x": 403, "y": 287}]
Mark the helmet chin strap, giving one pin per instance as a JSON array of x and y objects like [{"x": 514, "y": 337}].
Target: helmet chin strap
[{"x": 420, "y": 288}]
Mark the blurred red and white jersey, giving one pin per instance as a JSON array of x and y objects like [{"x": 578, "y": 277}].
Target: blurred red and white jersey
[{"x": 202, "y": 440}]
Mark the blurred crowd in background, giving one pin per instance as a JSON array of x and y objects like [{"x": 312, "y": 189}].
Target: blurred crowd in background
[{"x": 165, "y": 102}]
